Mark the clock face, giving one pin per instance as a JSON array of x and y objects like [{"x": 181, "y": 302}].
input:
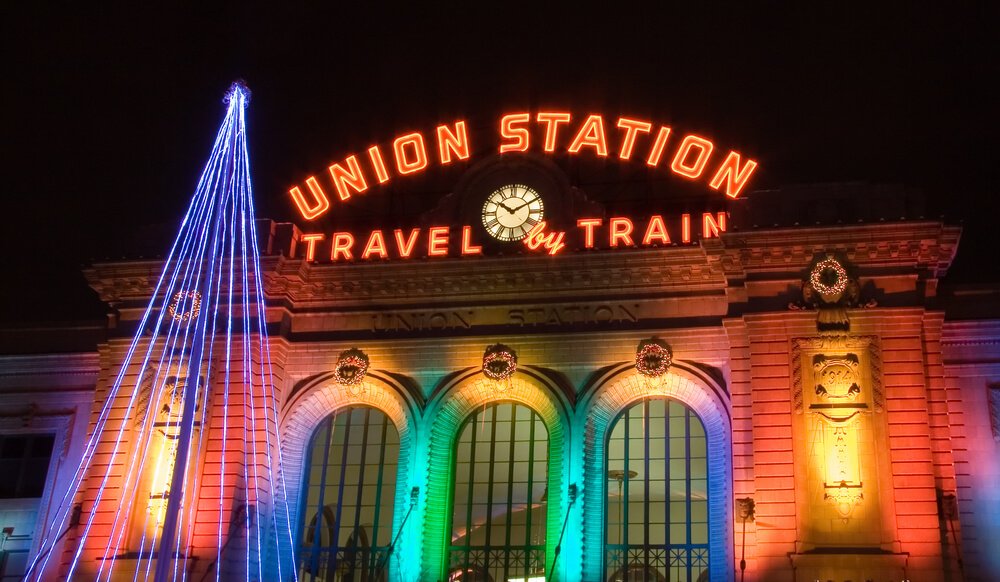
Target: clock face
[{"x": 511, "y": 211}]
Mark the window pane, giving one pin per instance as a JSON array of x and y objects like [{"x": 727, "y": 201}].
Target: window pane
[
  {"x": 656, "y": 457},
  {"x": 503, "y": 449},
  {"x": 351, "y": 481},
  {"x": 24, "y": 465}
]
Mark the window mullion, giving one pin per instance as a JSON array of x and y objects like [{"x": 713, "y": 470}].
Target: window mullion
[
  {"x": 645, "y": 484},
  {"x": 335, "y": 536},
  {"x": 531, "y": 484},
  {"x": 687, "y": 470},
  {"x": 623, "y": 494},
  {"x": 489, "y": 485},
  {"x": 318, "y": 529},
  {"x": 510, "y": 485},
  {"x": 472, "y": 487},
  {"x": 668, "y": 477},
  {"x": 378, "y": 496},
  {"x": 361, "y": 486}
]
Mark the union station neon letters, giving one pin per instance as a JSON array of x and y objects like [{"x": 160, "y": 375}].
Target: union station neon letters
[{"x": 690, "y": 156}]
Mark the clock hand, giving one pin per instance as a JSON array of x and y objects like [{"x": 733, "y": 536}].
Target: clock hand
[
  {"x": 518, "y": 208},
  {"x": 507, "y": 208}
]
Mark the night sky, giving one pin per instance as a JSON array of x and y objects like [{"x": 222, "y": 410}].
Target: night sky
[{"x": 108, "y": 115}]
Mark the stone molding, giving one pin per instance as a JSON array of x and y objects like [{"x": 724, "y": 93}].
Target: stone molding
[{"x": 920, "y": 245}]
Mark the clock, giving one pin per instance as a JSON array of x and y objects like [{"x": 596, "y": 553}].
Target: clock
[{"x": 511, "y": 211}]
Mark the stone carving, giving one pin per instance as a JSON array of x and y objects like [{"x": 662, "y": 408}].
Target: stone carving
[
  {"x": 833, "y": 343},
  {"x": 797, "y": 376},
  {"x": 838, "y": 377},
  {"x": 993, "y": 395},
  {"x": 835, "y": 409},
  {"x": 844, "y": 497}
]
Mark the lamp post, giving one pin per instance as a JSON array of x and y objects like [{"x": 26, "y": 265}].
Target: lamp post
[
  {"x": 746, "y": 509},
  {"x": 621, "y": 475},
  {"x": 949, "y": 507}
]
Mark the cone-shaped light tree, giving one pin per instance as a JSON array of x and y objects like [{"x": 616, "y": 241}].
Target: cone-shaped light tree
[{"x": 180, "y": 476}]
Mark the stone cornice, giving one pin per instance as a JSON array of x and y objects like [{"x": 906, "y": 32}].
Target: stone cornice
[
  {"x": 48, "y": 373},
  {"x": 124, "y": 280},
  {"x": 971, "y": 333},
  {"x": 918, "y": 247},
  {"x": 585, "y": 275},
  {"x": 62, "y": 364},
  {"x": 899, "y": 246},
  {"x": 597, "y": 274}
]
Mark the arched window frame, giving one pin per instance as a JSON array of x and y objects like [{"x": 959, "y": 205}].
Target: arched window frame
[
  {"x": 689, "y": 549},
  {"x": 374, "y": 543},
  {"x": 450, "y": 405},
  {"x": 613, "y": 391},
  {"x": 470, "y": 424},
  {"x": 313, "y": 399}
]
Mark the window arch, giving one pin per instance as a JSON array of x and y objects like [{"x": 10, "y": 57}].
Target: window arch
[
  {"x": 350, "y": 483},
  {"x": 499, "y": 501},
  {"x": 656, "y": 511}
]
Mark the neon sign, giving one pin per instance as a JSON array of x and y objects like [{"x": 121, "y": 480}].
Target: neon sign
[
  {"x": 444, "y": 241},
  {"x": 690, "y": 156}
]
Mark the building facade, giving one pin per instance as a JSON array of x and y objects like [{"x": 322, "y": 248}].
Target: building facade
[{"x": 812, "y": 407}]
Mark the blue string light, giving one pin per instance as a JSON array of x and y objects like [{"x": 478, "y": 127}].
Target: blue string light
[{"x": 213, "y": 275}]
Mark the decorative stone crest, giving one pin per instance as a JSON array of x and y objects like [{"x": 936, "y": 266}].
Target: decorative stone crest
[
  {"x": 838, "y": 377},
  {"x": 867, "y": 344}
]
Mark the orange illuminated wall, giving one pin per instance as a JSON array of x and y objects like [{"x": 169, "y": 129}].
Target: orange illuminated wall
[
  {"x": 785, "y": 454},
  {"x": 122, "y": 537}
]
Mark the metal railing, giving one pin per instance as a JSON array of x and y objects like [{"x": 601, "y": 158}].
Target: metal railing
[
  {"x": 656, "y": 563},
  {"x": 358, "y": 564},
  {"x": 495, "y": 563}
]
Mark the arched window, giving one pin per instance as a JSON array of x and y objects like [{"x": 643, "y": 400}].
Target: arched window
[
  {"x": 657, "y": 503},
  {"x": 499, "y": 505},
  {"x": 350, "y": 478}
]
